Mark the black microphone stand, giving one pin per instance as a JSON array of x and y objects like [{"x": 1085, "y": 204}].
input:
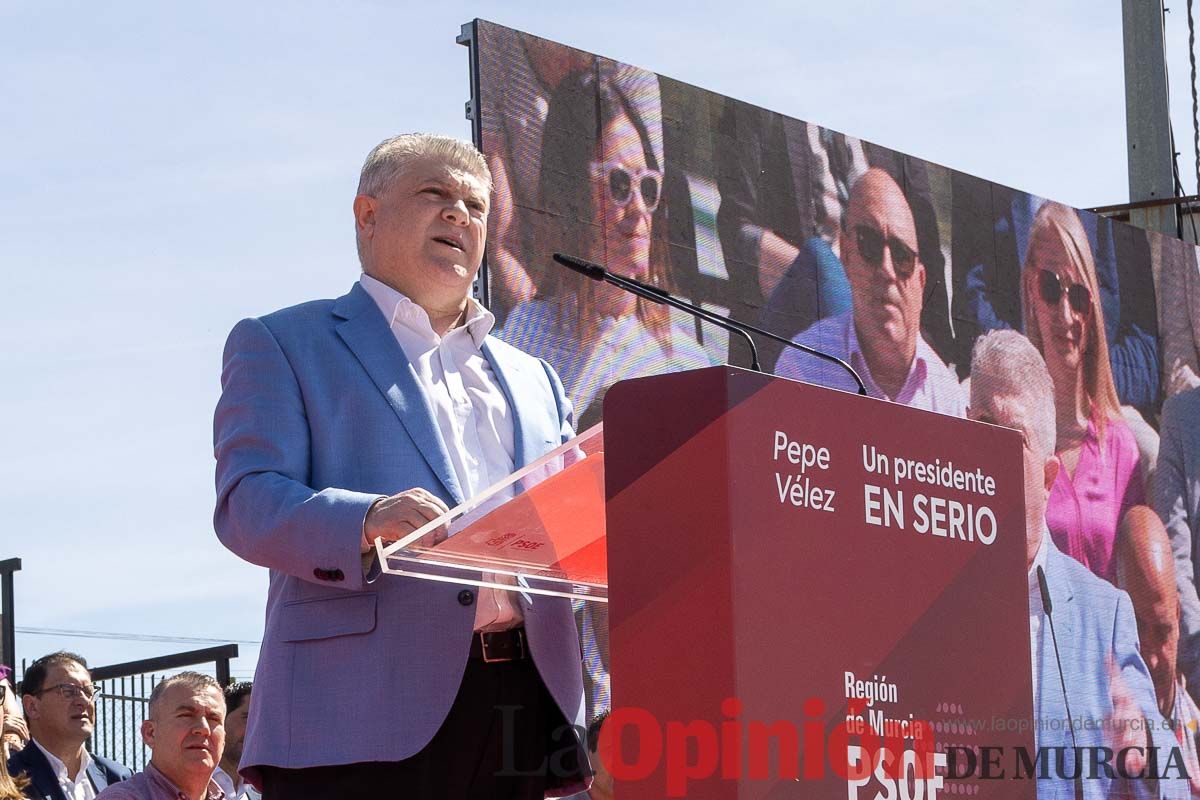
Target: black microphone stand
[
  {"x": 656, "y": 295},
  {"x": 1049, "y": 609},
  {"x": 599, "y": 273}
]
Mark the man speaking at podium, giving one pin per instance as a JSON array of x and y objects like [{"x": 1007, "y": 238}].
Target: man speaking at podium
[
  {"x": 345, "y": 421},
  {"x": 1104, "y": 696}
]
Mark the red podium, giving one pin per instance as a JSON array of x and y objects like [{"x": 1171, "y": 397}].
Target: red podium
[
  {"x": 775, "y": 552},
  {"x": 811, "y": 594}
]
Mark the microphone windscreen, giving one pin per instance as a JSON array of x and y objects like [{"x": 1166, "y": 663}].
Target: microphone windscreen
[
  {"x": 593, "y": 271},
  {"x": 1046, "y": 604}
]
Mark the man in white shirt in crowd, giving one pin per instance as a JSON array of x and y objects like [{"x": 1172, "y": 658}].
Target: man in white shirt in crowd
[
  {"x": 237, "y": 709},
  {"x": 59, "y": 700}
]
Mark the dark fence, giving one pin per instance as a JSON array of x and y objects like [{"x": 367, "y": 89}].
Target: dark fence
[
  {"x": 125, "y": 689},
  {"x": 124, "y": 698}
]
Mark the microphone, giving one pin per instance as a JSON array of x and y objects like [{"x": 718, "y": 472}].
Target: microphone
[
  {"x": 656, "y": 295},
  {"x": 1048, "y": 606},
  {"x": 1046, "y": 602},
  {"x": 599, "y": 273}
]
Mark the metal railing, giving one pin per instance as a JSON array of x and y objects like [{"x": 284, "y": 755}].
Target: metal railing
[
  {"x": 123, "y": 703},
  {"x": 124, "y": 698}
]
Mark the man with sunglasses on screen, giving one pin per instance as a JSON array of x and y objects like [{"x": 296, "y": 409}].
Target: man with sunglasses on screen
[
  {"x": 60, "y": 708},
  {"x": 350, "y": 421},
  {"x": 881, "y": 336}
]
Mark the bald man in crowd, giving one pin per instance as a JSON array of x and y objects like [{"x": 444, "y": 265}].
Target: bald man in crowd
[
  {"x": 1146, "y": 570},
  {"x": 881, "y": 336}
]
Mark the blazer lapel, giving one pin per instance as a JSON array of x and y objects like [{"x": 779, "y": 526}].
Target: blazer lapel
[
  {"x": 41, "y": 775},
  {"x": 366, "y": 333},
  {"x": 96, "y": 773},
  {"x": 532, "y": 437}
]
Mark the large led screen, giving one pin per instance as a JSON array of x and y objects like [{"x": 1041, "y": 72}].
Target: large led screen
[{"x": 894, "y": 264}]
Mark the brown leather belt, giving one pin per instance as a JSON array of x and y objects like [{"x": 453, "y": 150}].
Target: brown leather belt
[{"x": 496, "y": 647}]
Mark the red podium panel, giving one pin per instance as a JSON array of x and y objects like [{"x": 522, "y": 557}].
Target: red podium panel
[{"x": 776, "y": 549}]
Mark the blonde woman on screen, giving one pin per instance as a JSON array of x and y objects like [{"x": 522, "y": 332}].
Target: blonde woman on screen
[
  {"x": 601, "y": 190},
  {"x": 1100, "y": 478}
]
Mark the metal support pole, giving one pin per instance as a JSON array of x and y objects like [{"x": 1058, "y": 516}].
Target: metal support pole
[
  {"x": 8, "y": 636},
  {"x": 1147, "y": 115}
]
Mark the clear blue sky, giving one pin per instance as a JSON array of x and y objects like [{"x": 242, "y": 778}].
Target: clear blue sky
[{"x": 168, "y": 169}]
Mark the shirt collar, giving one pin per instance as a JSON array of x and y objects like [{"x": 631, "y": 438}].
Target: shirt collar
[
  {"x": 213, "y": 792},
  {"x": 917, "y": 371},
  {"x": 401, "y": 311},
  {"x": 60, "y": 768}
]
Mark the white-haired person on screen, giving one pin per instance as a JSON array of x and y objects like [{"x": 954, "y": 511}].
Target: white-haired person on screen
[{"x": 1107, "y": 685}]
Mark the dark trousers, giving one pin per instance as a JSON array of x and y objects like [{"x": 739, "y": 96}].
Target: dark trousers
[{"x": 504, "y": 738}]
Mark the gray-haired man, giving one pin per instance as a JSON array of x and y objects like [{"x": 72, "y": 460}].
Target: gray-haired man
[
  {"x": 342, "y": 422},
  {"x": 1109, "y": 689},
  {"x": 186, "y": 732}
]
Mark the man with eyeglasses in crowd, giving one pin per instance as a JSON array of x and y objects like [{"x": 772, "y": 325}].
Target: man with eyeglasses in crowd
[
  {"x": 59, "y": 699},
  {"x": 881, "y": 336}
]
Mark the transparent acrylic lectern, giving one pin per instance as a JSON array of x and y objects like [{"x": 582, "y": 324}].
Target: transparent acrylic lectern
[{"x": 539, "y": 531}]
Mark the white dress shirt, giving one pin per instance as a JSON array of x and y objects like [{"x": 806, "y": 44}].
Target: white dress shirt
[
  {"x": 469, "y": 407},
  {"x": 77, "y": 788}
]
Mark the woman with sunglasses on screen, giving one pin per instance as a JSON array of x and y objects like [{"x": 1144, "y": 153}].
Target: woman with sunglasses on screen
[
  {"x": 1100, "y": 477},
  {"x": 601, "y": 191}
]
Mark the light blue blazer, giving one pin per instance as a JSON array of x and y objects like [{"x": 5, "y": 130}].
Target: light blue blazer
[
  {"x": 320, "y": 414},
  {"x": 1096, "y": 628}
]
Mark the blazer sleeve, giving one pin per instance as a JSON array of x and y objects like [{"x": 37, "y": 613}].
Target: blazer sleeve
[{"x": 266, "y": 512}]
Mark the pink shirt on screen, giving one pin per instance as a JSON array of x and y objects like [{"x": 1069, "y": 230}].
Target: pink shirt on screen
[{"x": 1084, "y": 511}]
